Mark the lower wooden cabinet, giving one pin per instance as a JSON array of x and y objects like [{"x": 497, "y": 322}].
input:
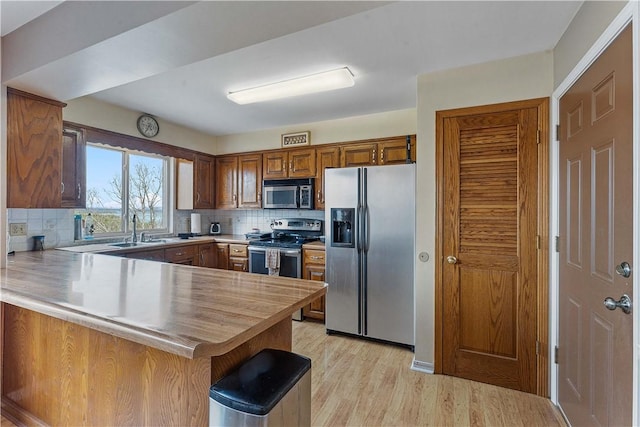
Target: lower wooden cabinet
[
  {"x": 207, "y": 255},
  {"x": 181, "y": 255},
  {"x": 238, "y": 257},
  {"x": 151, "y": 255},
  {"x": 222, "y": 256},
  {"x": 314, "y": 269}
]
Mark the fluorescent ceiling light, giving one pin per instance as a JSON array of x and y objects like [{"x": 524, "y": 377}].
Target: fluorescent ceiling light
[{"x": 321, "y": 82}]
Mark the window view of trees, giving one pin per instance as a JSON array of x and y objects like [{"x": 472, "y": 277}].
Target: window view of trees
[{"x": 112, "y": 204}]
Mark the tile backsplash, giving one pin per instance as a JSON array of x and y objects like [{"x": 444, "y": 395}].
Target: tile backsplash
[{"x": 57, "y": 224}]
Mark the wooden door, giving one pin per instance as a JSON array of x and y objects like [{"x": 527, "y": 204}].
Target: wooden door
[
  {"x": 328, "y": 157},
  {"x": 302, "y": 163},
  {"x": 488, "y": 234},
  {"x": 275, "y": 164},
  {"x": 250, "y": 181},
  {"x": 207, "y": 255},
  {"x": 222, "y": 256},
  {"x": 73, "y": 168},
  {"x": 226, "y": 182},
  {"x": 204, "y": 185},
  {"x": 596, "y": 234}
]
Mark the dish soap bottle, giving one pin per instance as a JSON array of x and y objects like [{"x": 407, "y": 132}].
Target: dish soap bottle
[{"x": 88, "y": 227}]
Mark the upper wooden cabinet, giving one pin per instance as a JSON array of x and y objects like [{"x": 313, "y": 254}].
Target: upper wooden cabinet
[
  {"x": 184, "y": 184},
  {"x": 298, "y": 163},
  {"x": 326, "y": 157},
  {"x": 203, "y": 184},
  {"x": 34, "y": 151},
  {"x": 384, "y": 151},
  {"x": 74, "y": 169},
  {"x": 239, "y": 181}
]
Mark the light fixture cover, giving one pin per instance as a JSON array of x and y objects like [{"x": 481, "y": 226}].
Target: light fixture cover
[{"x": 320, "y": 82}]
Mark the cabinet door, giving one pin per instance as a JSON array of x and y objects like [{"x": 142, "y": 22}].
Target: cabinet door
[
  {"x": 34, "y": 151},
  {"x": 181, "y": 255},
  {"x": 203, "y": 182},
  {"x": 222, "y": 255},
  {"x": 358, "y": 155},
  {"x": 226, "y": 184},
  {"x": 302, "y": 163},
  {"x": 74, "y": 154},
  {"x": 315, "y": 310},
  {"x": 325, "y": 158},
  {"x": 152, "y": 255},
  {"x": 184, "y": 184},
  {"x": 275, "y": 164},
  {"x": 207, "y": 256},
  {"x": 238, "y": 264},
  {"x": 250, "y": 181},
  {"x": 395, "y": 151}
]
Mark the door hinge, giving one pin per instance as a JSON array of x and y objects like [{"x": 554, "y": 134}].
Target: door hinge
[
  {"x": 555, "y": 355},
  {"x": 538, "y": 137},
  {"x": 538, "y": 242},
  {"x": 558, "y": 132},
  {"x": 537, "y": 348},
  {"x": 557, "y": 243}
]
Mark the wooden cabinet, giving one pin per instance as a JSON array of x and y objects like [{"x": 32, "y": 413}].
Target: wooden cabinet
[
  {"x": 327, "y": 157},
  {"x": 74, "y": 155},
  {"x": 207, "y": 255},
  {"x": 384, "y": 151},
  {"x": 238, "y": 257},
  {"x": 314, "y": 269},
  {"x": 239, "y": 181},
  {"x": 222, "y": 256},
  {"x": 34, "y": 151},
  {"x": 203, "y": 185},
  {"x": 151, "y": 255},
  {"x": 299, "y": 163},
  {"x": 182, "y": 255}
]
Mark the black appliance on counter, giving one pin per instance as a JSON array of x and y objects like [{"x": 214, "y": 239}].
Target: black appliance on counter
[{"x": 287, "y": 237}]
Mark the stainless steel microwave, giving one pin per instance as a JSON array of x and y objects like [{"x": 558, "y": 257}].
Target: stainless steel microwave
[{"x": 287, "y": 193}]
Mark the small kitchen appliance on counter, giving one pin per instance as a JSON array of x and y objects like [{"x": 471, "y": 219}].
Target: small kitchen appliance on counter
[{"x": 215, "y": 228}]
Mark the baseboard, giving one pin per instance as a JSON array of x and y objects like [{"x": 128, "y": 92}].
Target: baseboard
[
  {"x": 17, "y": 415},
  {"x": 424, "y": 367}
]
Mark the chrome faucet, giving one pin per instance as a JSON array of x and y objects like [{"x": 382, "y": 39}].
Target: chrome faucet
[
  {"x": 143, "y": 237},
  {"x": 134, "y": 236}
]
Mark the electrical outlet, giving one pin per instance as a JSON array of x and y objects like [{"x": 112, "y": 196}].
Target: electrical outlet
[{"x": 18, "y": 229}]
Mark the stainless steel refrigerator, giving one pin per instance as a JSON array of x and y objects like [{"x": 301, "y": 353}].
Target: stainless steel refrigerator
[{"x": 370, "y": 245}]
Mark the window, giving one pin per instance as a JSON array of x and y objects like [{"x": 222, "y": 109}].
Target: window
[{"x": 121, "y": 183}]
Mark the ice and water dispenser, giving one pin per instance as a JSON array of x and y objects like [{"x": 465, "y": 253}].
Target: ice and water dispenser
[{"x": 343, "y": 227}]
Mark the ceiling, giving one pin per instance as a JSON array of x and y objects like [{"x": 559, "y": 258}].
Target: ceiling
[{"x": 179, "y": 62}]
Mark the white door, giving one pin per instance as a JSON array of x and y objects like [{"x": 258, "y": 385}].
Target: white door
[{"x": 596, "y": 240}]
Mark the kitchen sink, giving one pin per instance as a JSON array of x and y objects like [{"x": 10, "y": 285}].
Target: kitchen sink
[{"x": 125, "y": 244}]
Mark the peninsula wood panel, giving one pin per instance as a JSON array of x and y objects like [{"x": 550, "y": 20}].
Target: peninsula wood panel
[
  {"x": 34, "y": 151},
  {"x": 67, "y": 374}
]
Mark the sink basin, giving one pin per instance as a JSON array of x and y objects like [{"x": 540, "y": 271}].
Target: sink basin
[
  {"x": 124, "y": 244},
  {"x": 155, "y": 241}
]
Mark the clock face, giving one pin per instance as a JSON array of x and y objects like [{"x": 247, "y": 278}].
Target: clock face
[{"x": 148, "y": 126}]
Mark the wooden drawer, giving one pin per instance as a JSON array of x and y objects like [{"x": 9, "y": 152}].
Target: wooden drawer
[
  {"x": 314, "y": 256},
  {"x": 180, "y": 253},
  {"x": 153, "y": 255},
  {"x": 238, "y": 251}
]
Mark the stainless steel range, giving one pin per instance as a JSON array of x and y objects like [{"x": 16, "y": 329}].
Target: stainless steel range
[{"x": 287, "y": 237}]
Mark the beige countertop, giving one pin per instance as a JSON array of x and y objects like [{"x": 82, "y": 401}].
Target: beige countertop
[{"x": 189, "y": 311}]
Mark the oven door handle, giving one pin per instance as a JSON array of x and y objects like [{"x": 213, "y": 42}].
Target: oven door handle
[{"x": 282, "y": 251}]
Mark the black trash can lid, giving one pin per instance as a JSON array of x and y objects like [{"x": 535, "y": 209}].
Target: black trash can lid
[{"x": 257, "y": 385}]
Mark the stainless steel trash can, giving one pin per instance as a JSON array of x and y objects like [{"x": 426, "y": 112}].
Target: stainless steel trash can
[{"x": 273, "y": 388}]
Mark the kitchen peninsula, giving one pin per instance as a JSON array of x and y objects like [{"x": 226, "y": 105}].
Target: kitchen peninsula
[{"x": 92, "y": 339}]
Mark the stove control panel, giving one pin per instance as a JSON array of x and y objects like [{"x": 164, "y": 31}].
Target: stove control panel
[{"x": 296, "y": 224}]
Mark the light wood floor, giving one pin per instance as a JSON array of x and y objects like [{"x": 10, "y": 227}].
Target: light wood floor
[{"x": 361, "y": 383}]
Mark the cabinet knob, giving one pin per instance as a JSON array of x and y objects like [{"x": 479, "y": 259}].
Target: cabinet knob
[
  {"x": 79, "y": 191},
  {"x": 382, "y": 155},
  {"x": 374, "y": 156}
]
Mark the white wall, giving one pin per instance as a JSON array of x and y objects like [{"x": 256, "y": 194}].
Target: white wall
[
  {"x": 524, "y": 77},
  {"x": 393, "y": 123},
  {"x": 590, "y": 21},
  {"x": 98, "y": 114}
]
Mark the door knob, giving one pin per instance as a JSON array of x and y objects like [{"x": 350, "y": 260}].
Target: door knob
[
  {"x": 624, "y": 269},
  {"x": 624, "y": 303},
  {"x": 452, "y": 260}
]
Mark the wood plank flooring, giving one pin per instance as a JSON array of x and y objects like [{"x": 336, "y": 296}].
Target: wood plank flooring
[{"x": 361, "y": 383}]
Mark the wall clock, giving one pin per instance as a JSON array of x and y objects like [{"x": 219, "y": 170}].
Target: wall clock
[{"x": 148, "y": 126}]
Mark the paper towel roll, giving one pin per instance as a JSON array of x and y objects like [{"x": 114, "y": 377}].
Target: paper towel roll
[{"x": 196, "y": 223}]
